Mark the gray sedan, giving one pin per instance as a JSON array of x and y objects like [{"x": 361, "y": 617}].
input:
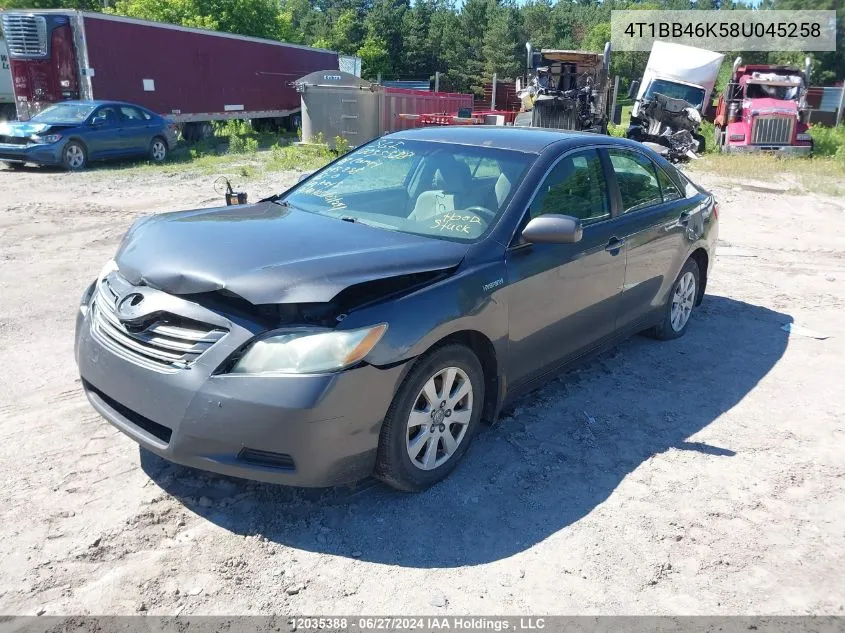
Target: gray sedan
[{"x": 369, "y": 319}]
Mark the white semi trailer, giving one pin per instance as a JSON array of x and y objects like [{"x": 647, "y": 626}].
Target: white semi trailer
[{"x": 7, "y": 95}]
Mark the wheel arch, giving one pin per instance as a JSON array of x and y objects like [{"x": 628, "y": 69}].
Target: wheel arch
[
  {"x": 483, "y": 348},
  {"x": 702, "y": 258}
]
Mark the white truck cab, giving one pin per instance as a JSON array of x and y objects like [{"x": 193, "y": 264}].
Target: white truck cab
[{"x": 679, "y": 72}]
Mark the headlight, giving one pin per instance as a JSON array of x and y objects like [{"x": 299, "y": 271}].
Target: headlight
[
  {"x": 308, "y": 351},
  {"x": 48, "y": 139}
]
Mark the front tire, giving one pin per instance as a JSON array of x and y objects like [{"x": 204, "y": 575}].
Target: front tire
[
  {"x": 681, "y": 302},
  {"x": 74, "y": 156},
  {"x": 158, "y": 150},
  {"x": 432, "y": 419}
]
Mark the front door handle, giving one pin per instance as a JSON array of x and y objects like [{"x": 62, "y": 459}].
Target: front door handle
[{"x": 614, "y": 245}]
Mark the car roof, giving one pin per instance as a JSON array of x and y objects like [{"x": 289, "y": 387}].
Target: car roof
[{"x": 523, "y": 139}]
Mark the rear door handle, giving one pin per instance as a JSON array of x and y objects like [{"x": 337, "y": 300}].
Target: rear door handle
[{"x": 614, "y": 245}]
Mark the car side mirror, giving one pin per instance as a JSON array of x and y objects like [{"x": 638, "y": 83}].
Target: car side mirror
[
  {"x": 98, "y": 123},
  {"x": 633, "y": 88},
  {"x": 303, "y": 176},
  {"x": 552, "y": 228}
]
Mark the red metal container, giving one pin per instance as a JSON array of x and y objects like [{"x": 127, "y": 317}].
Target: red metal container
[{"x": 402, "y": 101}]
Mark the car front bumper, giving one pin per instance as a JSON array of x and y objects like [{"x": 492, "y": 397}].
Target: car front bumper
[
  {"x": 307, "y": 430},
  {"x": 40, "y": 154}
]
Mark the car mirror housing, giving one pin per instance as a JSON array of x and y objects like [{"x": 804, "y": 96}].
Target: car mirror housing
[{"x": 552, "y": 228}]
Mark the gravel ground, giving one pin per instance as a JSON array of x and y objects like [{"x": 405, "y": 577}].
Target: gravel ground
[{"x": 700, "y": 476}]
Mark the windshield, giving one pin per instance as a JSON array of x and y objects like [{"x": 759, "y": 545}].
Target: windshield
[
  {"x": 64, "y": 113},
  {"x": 763, "y": 91},
  {"x": 690, "y": 94},
  {"x": 452, "y": 192}
]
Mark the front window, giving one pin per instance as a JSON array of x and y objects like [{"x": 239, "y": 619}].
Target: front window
[
  {"x": 451, "y": 192},
  {"x": 575, "y": 187},
  {"x": 765, "y": 91},
  {"x": 690, "y": 94},
  {"x": 64, "y": 113}
]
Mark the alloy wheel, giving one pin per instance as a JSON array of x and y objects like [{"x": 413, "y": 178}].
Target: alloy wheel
[
  {"x": 75, "y": 156},
  {"x": 683, "y": 300},
  {"x": 439, "y": 419},
  {"x": 159, "y": 151}
]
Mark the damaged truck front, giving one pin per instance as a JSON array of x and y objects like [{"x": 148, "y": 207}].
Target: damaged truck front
[
  {"x": 764, "y": 108},
  {"x": 567, "y": 90},
  {"x": 672, "y": 98}
]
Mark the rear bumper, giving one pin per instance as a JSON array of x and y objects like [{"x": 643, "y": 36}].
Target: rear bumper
[
  {"x": 40, "y": 154},
  {"x": 315, "y": 430}
]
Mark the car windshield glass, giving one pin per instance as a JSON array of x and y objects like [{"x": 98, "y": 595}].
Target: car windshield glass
[
  {"x": 690, "y": 94},
  {"x": 64, "y": 113},
  {"x": 452, "y": 192}
]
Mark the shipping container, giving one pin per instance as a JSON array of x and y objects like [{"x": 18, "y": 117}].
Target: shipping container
[{"x": 192, "y": 76}]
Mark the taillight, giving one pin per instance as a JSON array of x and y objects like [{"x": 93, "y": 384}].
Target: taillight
[{"x": 715, "y": 209}]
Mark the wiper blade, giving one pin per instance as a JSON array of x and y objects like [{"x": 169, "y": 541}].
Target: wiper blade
[{"x": 281, "y": 203}]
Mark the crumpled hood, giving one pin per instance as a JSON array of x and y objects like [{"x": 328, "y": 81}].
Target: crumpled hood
[
  {"x": 767, "y": 107},
  {"x": 267, "y": 253},
  {"x": 24, "y": 130}
]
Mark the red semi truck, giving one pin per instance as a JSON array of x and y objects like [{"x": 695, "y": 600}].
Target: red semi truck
[
  {"x": 192, "y": 76},
  {"x": 764, "y": 108}
]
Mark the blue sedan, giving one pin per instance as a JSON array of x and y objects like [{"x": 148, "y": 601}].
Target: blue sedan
[{"x": 73, "y": 133}]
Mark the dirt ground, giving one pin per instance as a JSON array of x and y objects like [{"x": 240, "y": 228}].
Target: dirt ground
[{"x": 700, "y": 476}]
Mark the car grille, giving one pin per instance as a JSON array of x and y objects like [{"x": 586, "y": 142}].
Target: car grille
[
  {"x": 26, "y": 35},
  {"x": 772, "y": 130},
  {"x": 164, "y": 342},
  {"x": 12, "y": 140}
]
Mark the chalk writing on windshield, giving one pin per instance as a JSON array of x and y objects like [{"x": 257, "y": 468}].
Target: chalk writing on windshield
[
  {"x": 391, "y": 150},
  {"x": 456, "y": 223}
]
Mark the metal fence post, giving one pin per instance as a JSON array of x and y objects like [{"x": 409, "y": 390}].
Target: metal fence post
[{"x": 493, "y": 94}]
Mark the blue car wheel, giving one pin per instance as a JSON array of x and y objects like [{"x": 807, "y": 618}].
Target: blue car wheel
[{"x": 74, "y": 156}]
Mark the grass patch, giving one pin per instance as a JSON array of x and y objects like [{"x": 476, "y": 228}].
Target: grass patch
[
  {"x": 236, "y": 149},
  {"x": 818, "y": 174}
]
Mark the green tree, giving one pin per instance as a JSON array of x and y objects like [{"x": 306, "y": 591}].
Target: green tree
[
  {"x": 375, "y": 59},
  {"x": 502, "y": 45},
  {"x": 259, "y": 18}
]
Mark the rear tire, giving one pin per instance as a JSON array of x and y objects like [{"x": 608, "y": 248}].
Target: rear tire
[
  {"x": 294, "y": 122},
  {"x": 74, "y": 156},
  {"x": 421, "y": 441},
  {"x": 158, "y": 150},
  {"x": 680, "y": 303}
]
